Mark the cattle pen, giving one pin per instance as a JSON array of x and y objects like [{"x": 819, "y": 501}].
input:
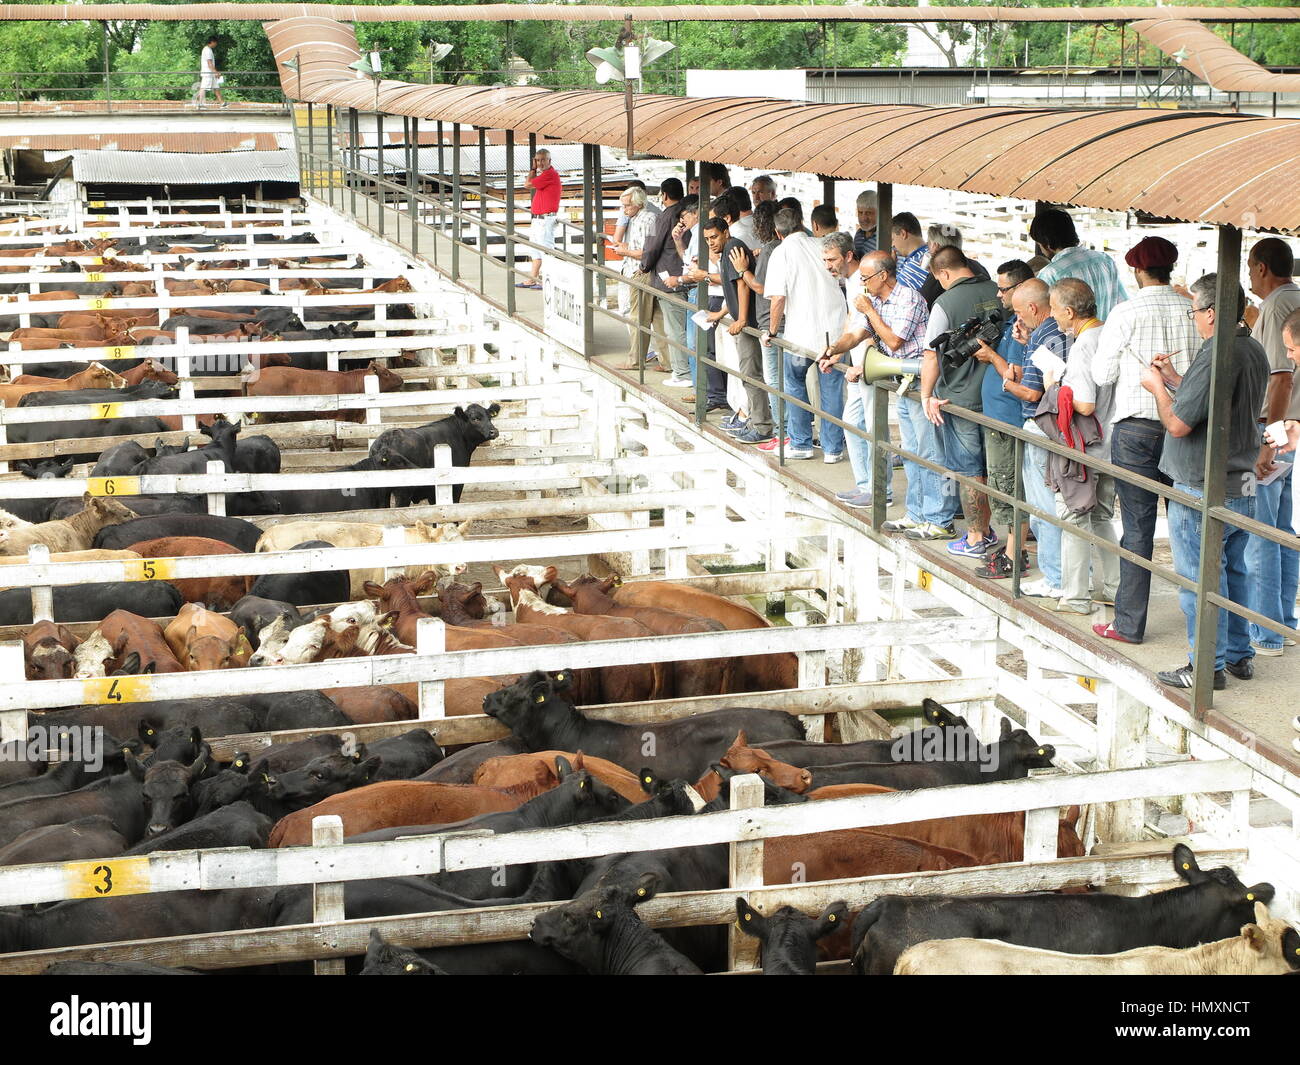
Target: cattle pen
[{"x": 592, "y": 473}]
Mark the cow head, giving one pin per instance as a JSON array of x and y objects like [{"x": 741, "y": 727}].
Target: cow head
[
  {"x": 211, "y": 651},
  {"x": 476, "y": 422},
  {"x": 789, "y": 937},
  {"x": 326, "y": 776},
  {"x": 44, "y": 469},
  {"x": 1275, "y": 944},
  {"x": 588, "y": 797},
  {"x": 745, "y": 759},
  {"x": 343, "y": 329},
  {"x": 388, "y": 381},
  {"x": 938, "y": 715},
  {"x": 179, "y": 744},
  {"x": 165, "y": 787},
  {"x": 579, "y": 930},
  {"x": 388, "y": 959},
  {"x": 1234, "y": 901},
  {"x": 49, "y": 654},
  {"x": 1018, "y": 748},
  {"x": 533, "y": 705}
]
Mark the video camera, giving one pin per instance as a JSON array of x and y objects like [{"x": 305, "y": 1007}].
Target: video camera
[{"x": 957, "y": 345}]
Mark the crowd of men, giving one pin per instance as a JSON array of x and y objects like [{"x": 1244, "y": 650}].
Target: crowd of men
[{"x": 1064, "y": 353}]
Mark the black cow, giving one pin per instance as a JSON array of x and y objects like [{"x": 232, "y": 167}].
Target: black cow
[
  {"x": 601, "y": 932},
  {"x": 114, "y": 968},
  {"x": 388, "y": 959},
  {"x": 328, "y": 500},
  {"x": 808, "y": 753},
  {"x": 252, "y": 613},
  {"x": 304, "y": 589},
  {"x": 83, "y": 429},
  {"x": 144, "y": 506},
  {"x": 536, "y": 710},
  {"x": 118, "y": 798},
  {"x": 94, "y": 836},
  {"x": 459, "y": 768},
  {"x": 317, "y": 360},
  {"x": 789, "y": 937},
  {"x": 39, "y": 510},
  {"x": 1211, "y": 905},
  {"x": 166, "y": 789},
  {"x": 257, "y": 454},
  {"x": 233, "y": 531},
  {"x": 406, "y": 756},
  {"x": 321, "y": 778},
  {"x": 286, "y": 711},
  {"x": 282, "y": 757},
  {"x": 121, "y": 459},
  {"x": 463, "y": 431},
  {"x": 229, "y": 786},
  {"x": 178, "y": 744},
  {"x": 236, "y": 824},
  {"x": 145, "y": 390},
  {"x": 61, "y": 777},
  {"x": 93, "y": 602},
  {"x": 212, "y": 716},
  {"x": 221, "y": 448}
]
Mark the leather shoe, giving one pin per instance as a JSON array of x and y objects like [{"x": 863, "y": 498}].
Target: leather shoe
[
  {"x": 1104, "y": 628},
  {"x": 1242, "y": 670}
]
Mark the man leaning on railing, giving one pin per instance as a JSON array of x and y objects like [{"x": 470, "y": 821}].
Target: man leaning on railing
[{"x": 1183, "y": 402}]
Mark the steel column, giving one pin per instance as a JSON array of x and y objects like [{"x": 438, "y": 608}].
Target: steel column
[
  {"x": 702, "y": 300},
  {"x": 482, "y": 205},
  {"x": 884, "y": 215},
  {"x": 380, "y": 194},
  {"x": 413, "y": 181},
  {"x": 1216, "y": 454},
  {"x": 455, "y": 201},
  {"x": 589, "y": 154},
  {"x": 510, "y": 219}
]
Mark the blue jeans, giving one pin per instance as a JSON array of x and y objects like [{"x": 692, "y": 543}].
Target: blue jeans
[
  {"x": 1033, "y": 474},
  {"x": 830, "y": 399},
  {"x": 772, "y": 375},
  {"x": 929, "y": 496},
  {"x": 1276, "y": 569},
  {"x": 859, "y": 410},
  {"x": 1232, "y": 635}
]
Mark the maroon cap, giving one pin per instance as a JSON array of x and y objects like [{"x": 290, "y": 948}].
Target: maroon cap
[{"x": 1151, "y": 251}]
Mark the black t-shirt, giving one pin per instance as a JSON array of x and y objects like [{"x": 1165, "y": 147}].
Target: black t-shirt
[{"x": 729, "y": 278}]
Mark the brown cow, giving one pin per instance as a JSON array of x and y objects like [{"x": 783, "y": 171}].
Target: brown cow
[
  {"x": 216, "y": 593},
  {"x": 746, "y": 759},
  {"x": 202, "y": 639},
  {"x": 767, "y": 672},
  {"x": 372, "y": 705},
  {"x": 149, "y": 370},
  {"x": 128, "y": 633},
  {"x": 400, "y": 595},
  {"x": 618, "y": 684},
  {"x": 392, "y": 803},
  {"x": 691, "y": 677},
  {"x": 93, "y": 376},
  {"x": 511, "y": 770},
  {"x": 291, "y": 381},
  {"x": 76, "y": 533},
  {"x": 48, "y": 649}
]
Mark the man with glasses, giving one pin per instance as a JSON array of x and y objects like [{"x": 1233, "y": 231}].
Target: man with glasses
[
  {"x": 1185, "y": 417},
  {"x": 999, "y": 448},
  {"x": 641, "y": 217},
  {"x": 1155, "y": 321},
  {"x": 891, "y": 317}
]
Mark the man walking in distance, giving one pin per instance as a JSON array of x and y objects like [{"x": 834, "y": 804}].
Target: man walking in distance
[
  {"x": 544, "y": 180},
  {"x": 1155, "y": 321},
  {"x": 209, "y": 75}
]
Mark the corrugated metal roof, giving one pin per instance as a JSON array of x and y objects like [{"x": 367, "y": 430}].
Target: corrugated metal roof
[
  {"x": 607, "y": 13},
  {"x": 1196, "y": 166},
  {"x": 1212, "y": 59},
  {"x": 149, "y": 142},
  {"x": 180, "y": 168}
]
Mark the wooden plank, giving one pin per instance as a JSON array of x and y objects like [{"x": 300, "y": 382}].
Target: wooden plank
[
  {"x": 745, "y": 867},
  {"x": 327, "y": 899}
]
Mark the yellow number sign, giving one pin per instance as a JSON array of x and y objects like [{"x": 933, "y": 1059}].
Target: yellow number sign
[
  {"x": 111, "y": 690},
  {"x": 113, "y": 486},
  {"x": 150, "y": 569},
  {"x": 99, "y": 303},
  {"x": 1088, "y": 682},
  {"x": 121, "y": 351},
  {"x": 101, "y": 877},
  {"x": 923, "y": 580}
]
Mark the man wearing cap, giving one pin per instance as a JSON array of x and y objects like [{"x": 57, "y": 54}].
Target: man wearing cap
[{"x": 1156, "y": 321}]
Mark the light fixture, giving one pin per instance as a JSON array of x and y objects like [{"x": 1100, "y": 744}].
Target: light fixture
[
  {"x": 438, "y": 52},
  {"x": 614, "y": 65}
]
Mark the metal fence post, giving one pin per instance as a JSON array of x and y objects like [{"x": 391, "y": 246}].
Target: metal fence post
[
  {"x": 702, "y": 300},
  {"x": 380, "y": 194},
  {"x": 455, "y": 201},
  {"x": 1216, "y": 453},
  {"x": 510, "y": 222},
  {"x": 588, "y": 250},
  {"x": 413, "y": 182},
  {"x": 881, "y": 462}
]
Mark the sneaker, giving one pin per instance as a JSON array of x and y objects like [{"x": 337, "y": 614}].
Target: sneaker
[
  {"x": 1242, "y": 669},
  {"x": 651, "y": 356},
  {"x": 973, "y": 548},
  {"x": 1109, "y": 632},
  {"x": 832, "y": 457},
  {"x": 800, "y": 453},
  {"x": 900, "y": 525},
  {"x": 997, "y": 566},
  {"x": 734, "y": 421},
  {"x": 930, "y": 531},
  {"x": 678, "y": 382},
  {"x": 773, "y": 444},
  {"x": 861, "y": 501},
  {"x": 1265, "y": 650},
  {"x": 844, "y": 497},
  {"x": 711, "y": 407},
  {"x": 1295, "y": 722},
  {"x": 1063, "y": 606},
  {"x": 751, "y": 436},
  {"x": 1041, "y": 589},
  {"x": 1182, "y": 678}
]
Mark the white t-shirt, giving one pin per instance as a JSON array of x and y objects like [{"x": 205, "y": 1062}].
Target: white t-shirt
[
  {"x": 208, "y": 62},
  {"x": 814, "y": 304}
]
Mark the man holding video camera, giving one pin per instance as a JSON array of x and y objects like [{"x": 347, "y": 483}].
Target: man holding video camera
[{"x": 967, "y": 309}]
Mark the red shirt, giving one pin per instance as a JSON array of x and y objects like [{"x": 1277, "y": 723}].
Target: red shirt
[{"x": 546, "y": 192}]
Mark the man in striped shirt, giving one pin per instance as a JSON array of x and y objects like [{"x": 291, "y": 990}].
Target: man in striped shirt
[
  {"x": 1156, "y": 321},
  {"x": 910, "y": 250},
  {"x": 1053, "y": 231}
]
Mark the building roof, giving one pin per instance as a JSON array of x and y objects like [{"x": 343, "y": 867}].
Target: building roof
[
  {"x": 1195, "y": 166},
  {"x": 1212, "y": 59},
  {"x": 181, "y": 168}
]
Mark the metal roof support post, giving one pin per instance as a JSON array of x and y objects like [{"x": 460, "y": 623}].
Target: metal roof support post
[
  {"x": 108, "y": 82},
  {"x": 590, "y": 153},
  {"x": 884, "y": 215},
  {"x": 331, "y": 150},
  {"x": 828, "y": 191},
  {"x": 598, "y": 190},
  {"x": 1216, "y": 454},
  {"x": 311, "y": 144},
  {"x": 439, "y": 216},
  {"x": 881, "y": 463},
  {"x": 353, "y": 133},
  {"x": 380, "y": 194},
  {"x": 510, "y": 220},
  {"x": 455, "y": 201},
  {"x": 702, "y": 298},
  {"x": 413, "y": 181},
  {"x": 482, "y": 206}
]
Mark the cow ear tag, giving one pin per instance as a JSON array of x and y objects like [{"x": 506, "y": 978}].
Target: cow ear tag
[
  {"x": 1040, "y": 750},
  {"x": 1250, "y": 896},
  {"x": 599, "y": 915},
  {"x": 1186, "y": 866},
  {"x": 410, "y": 966},
  {"x": 540, "y": 699},
  {"x": 749, "y": 917},
  {"x": 640, "y": 891},
  {"x": 582, "y": 784},
  {"x": 239, "y": 763},
  {"x": 830, "y": 917}
]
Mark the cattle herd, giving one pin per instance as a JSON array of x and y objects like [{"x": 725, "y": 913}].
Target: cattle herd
[{"x": 153, "y": 783}]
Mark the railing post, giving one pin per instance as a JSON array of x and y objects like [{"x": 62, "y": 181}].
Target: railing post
[
  {"x": 216, "y": 500},
  {"x": 482, "y": 207},
  {"x": 1216, "y": 454},
  {"x": 413, "y": 184},
  {"x": 327, "y": 899},
  {"x": 431, "y": 639},
  {"x": 443, "y": 494},
  {"x": 182, "y": 369},
  {"x": 588, "y": 257},
  {"x": 455, "y": 201},
  {"x": 1040, "y": 834},
  {"x": 42, "y": 595},
  {"x": 882, "y": 462},
  {"x": 746, "y": 869},
  {"x": 1121, "y": 744},
  {"x": 702, "y": 299},
  {"x": 313, "y": 167},
  {"x": 510, "y": 222},
  {"x": 13, "y": 670},
  {"x": 374, "y": 416},
  {"x": 380, "y": 194},
  {"x": 394, "y": 536}
]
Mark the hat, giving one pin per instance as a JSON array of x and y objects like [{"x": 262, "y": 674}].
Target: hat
[{"x": 1151, "y": 251}]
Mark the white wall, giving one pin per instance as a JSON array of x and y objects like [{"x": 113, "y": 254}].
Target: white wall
[{"x": 778, "y": 84}]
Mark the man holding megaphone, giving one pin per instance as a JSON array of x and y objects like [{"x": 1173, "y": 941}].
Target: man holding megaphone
[{"x": 892, "y": 319}]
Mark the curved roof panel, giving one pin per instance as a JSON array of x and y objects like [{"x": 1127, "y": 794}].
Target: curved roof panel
[
  {"x": 1212, "y": 59},
  {"x": 1197, "y": 166}
]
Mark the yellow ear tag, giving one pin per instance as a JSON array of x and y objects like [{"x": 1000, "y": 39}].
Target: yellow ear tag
[
  {"x": 148, "y": 732},
  {"x": 599, "y": 915},
  {"x": 410, "y": 966},
  {"x": 649, "y": 780},
  {"x": 640, "y": 891},
  {"x": 266, "y": 778},
  {"x": 1250, "y": 896},
  {"x": 582, "y": 783},
  {"x": 1186, "y": 866},
  {"x": 540, "y": 699},
  {"x": 559, "y": 676},
  {"x": 749, "y": 917},
  {"x": 239, "y": 763},
  {"x": 1040, "y": 750},
  {"x": 832, "y": 917}
]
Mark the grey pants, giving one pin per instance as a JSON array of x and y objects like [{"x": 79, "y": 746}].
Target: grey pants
[
  {"x": 756, "y": 400},
  {"x": 674, "y": 328},
  {"x": 1080, "y": 560}
]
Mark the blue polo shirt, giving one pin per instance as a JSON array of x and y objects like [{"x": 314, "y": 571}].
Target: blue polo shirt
[
  {"x": 998, "y": 403},
  {"x": 1047, "y": 335}
]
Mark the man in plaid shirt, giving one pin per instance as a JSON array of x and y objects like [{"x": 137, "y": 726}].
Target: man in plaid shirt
[
  {"x": 1053, "y": 231},
  {"x": 1156, "y": 321}
]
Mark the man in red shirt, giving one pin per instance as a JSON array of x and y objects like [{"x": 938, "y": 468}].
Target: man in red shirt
[{"x": 544, "y": 180}]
